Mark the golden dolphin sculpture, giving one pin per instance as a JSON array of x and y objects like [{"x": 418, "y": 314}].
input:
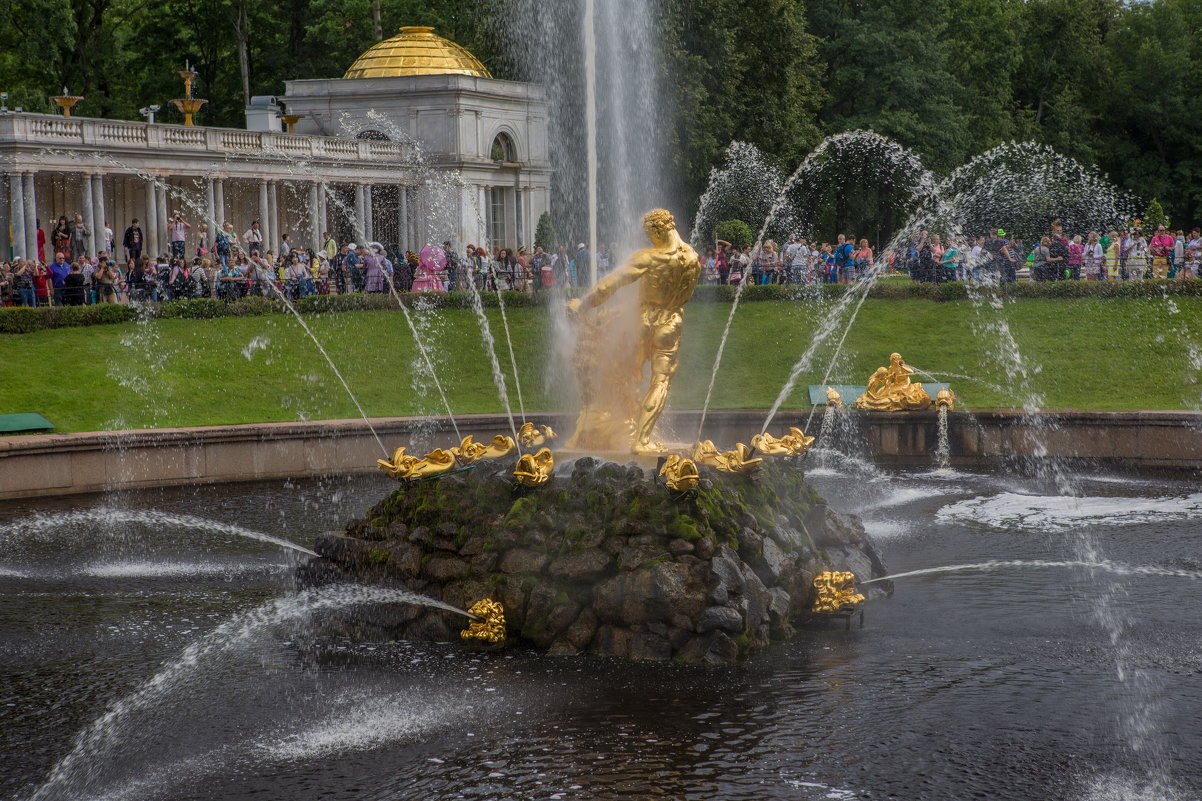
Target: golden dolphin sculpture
[
  {"x": 490, "y": 627},
  {"x": 403, "y": 468},
  {"x": 737, "y": 461},
  {"x": 501, "y": 445},
  {"x": 679, "y": 474},
  {"x": 795, "y": 443},
  {"x": 531, "y": 436},
  {"x": 835, "y": 591},
  {"x": 439, "y": 462},
  {"x": 534, "y": 470},
  {"x": 469, "y": 451}
]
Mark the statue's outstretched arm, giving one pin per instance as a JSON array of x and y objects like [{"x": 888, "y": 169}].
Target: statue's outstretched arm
[{"x": 631, "y": 272}]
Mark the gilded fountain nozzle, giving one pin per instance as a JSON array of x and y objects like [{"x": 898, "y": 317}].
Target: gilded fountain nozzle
[
  {"x": 406, "y": 468},
  {"x": 833, "y": 398},
  {"x": 679, "y": 474},
  {"x": 835, "y": 591},
  {"x": 736, "y": 461},
  {"x": 534, "y": 469},
  {"x": 945, "y": 399},
  {"x": 795, "y": 443},
  {"x": 489, "y": 623},
  {"x": 532, "y": 436}
]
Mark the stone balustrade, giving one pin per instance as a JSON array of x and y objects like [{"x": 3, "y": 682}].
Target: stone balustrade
[{"x": 51, "y": 132}]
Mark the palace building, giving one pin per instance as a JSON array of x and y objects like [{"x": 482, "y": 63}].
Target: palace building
[{"x": 416, "y": 144}]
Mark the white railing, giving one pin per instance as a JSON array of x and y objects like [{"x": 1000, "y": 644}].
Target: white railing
[
  {"x": 241, "y": 140},
  {"x": 59, "y": 132},
  {"x": 57, "y": 128},
  {"x": 121, "y": 134}
]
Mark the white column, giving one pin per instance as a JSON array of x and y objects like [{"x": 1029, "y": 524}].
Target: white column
[
  {"x": 403, "y": 217},
  {"x": 219, "y": 201},
  {"x": 31, "y": 215},
  {"x": 358, "y": 225},
  {"x": 482, "y": 211},
  {"x": 264, "y": 210},
  {"x": 161, "y": 212},
  {"x": 314, "y": 222},
  {"x": 369, "y": 226},
  {"x": 150, "y": 231},
  {"x": 211, "y": 210},
  {"x": 528, "y": 216},
  {"x": 89, "y": 215},
  {"x": 323, "y": 209},
  {"x": 5, "y": 220},
  {"x": 99, "y": 213},
  {"x": 272, "y": 231},
  {"x": 16, "y": 214},
  {"x": 519, "y": 217},
  {"x": 420, "y": 231}
]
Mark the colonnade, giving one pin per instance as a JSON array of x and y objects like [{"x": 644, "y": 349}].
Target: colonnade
[{"x": 301, "y": 208}]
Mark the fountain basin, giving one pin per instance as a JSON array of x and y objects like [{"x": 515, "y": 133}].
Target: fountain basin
[{"x": 602, "y": 559}]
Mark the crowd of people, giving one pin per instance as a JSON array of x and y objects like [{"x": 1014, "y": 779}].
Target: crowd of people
[
  {"x": 228, "y": 267},
  {"x": 1121, "y": 254},
  {"x": 225, "y": 266}
]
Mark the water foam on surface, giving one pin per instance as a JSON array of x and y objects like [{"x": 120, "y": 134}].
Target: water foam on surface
[
  {"x": 813, "y": 789},
  {"x": 365, "y": 722},
  {"x": 1128, "y": 788},
  {"x": 1052, "y": 513},
  {"x": 148, "y": 569}
]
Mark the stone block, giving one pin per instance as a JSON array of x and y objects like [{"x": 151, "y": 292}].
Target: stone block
[
  {"x": 679, "y": 547},
  {"x": 521, "y": 560},
  {"x": 444, "y": 568},
  {"x": 580, "y": 565},
  {"x": 720, "y": 617},
  {"x": 582, "y": 629}
]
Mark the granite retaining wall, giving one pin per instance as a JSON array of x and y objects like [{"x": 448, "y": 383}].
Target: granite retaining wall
[{"x": 64, "y": 464}]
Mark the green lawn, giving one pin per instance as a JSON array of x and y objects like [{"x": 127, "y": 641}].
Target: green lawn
[{"x": 1091, "y": 353}]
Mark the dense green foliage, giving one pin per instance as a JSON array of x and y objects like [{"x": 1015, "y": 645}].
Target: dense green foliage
[
  {"x": 262, "y": 368},
  {"x": 736, "y": 232},
  {"x": 1105, "y": 81},
  {"x": 545, "y": 236}
]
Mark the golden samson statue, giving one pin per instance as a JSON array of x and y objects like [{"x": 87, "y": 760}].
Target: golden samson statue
[{"x": 667, "y": 273}]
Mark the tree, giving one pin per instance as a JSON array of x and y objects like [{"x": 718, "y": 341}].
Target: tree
[
  {"x": 1060, "y": 86},
  {"x": 736, "y": 232},
  {"x": 1155, "y": 217},
  {"x": 722, "y": 89},
  {"x": 545, "y": 236},
  {"x": 1149, "y": 137},
  {"x": 889, "y": 71}
]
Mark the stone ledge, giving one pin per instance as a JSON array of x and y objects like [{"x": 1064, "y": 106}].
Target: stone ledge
[{"x": 62, "y": 464}]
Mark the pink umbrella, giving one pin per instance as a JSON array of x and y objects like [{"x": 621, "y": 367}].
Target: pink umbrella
[{"x": 434, "y": 258}]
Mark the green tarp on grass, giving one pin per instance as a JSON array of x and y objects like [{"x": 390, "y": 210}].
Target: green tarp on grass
[{"x": 11, "y": 423}]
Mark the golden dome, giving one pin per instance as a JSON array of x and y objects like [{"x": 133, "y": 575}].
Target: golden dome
[{"x": 415, "y": 51}]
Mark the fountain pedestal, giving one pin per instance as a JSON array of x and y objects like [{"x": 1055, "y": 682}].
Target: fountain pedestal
[{"x": 604, "y": 559}]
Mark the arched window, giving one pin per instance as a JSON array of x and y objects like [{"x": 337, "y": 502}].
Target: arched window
[
  {"x": 375, "y": 136},
  {"x": 503, "y": 149}
]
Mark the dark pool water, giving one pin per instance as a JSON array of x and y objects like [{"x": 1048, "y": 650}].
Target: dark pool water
[{"x": 1022, "y": 683}]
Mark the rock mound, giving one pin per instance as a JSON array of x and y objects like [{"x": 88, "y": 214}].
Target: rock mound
[{"x": 604, "y": 560}]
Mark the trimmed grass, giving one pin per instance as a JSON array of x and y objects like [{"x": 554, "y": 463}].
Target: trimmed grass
[{"x": 1124, "y": 353}]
